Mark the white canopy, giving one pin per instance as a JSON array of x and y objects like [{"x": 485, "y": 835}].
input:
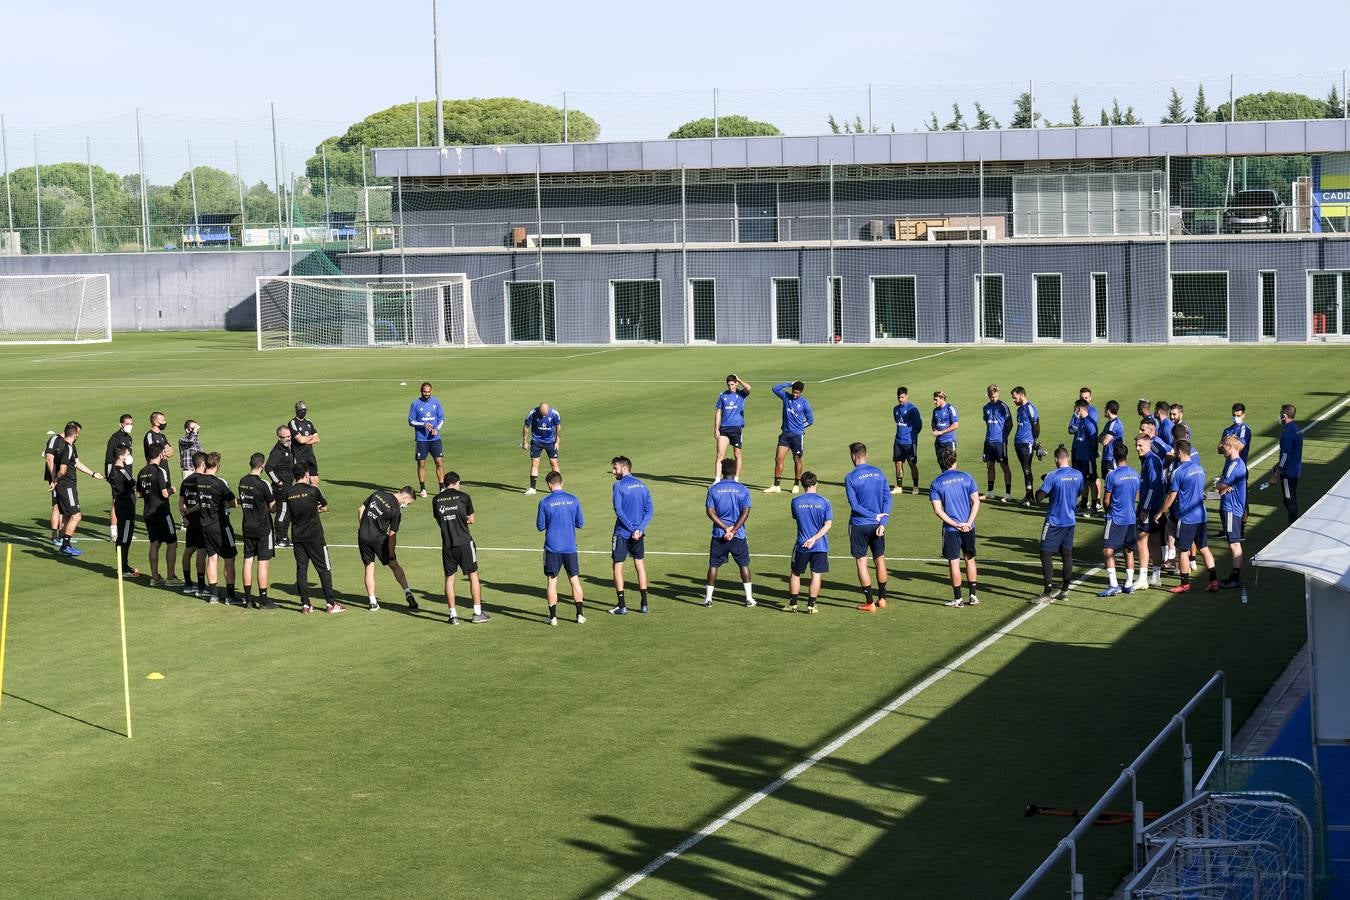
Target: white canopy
[{"x": 1318, "y": 544}]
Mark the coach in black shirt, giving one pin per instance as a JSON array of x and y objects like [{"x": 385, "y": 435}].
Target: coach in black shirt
[
  {"x": 378, "y": 521},
  {"x": 156, "y": 438},
  {"x": 304, "y": 435},
  {"x": 281, "y": 473},
  {"x": 122, "y": 479}
]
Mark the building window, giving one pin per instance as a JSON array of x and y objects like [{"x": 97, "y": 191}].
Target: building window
[
  {"x": 989, "y": 296},
  {"x": 530, "y": 315},
  {"x": 1268, "y": 305},
  {"x": 1099, "y": 306},
  {"x": 1200, "y": 304},
  {"x": 1047, "y": 298},
  {"x": 894, "y": 313},
  {"x": 787, "y": 309},
  {"x": 636, "y": 310},
  {"x": 703, "y": 295}
]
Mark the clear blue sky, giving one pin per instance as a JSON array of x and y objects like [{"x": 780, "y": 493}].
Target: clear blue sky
[{"x": 88, "y": 65}]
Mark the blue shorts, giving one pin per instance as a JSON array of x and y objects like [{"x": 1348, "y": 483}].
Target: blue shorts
[
  {"x": 537, "y": 449},
  {"x": 430, "y": 448},
  {"x": 904, "y": 453},
  {"x": 995, "y": 452},
  {"x": 1056, "y": 537},
  {"x": 1232, "y": 526},
  {"x": 557, "y": 562},
  {"x": 733, "y": 435},
  {"x": 1108, "y": 463},
  {"x": 1116, "y": 536},
  {"x": 863, "y": 539},
  {"x": 791, "y": 441},
  {"x": 1189, "y": 535},
  {"x": 956, "y": 544},
  {"x": 818, "y": 560},
  {"x": 1148, "y": 526},
  {"x": 1088, "y": 469},
  {"x": 939, "y": 443},
  {"x": 736, "y": 548},
  {"x": 620, "y": 548}
]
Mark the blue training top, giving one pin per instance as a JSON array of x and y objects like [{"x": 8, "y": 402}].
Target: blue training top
[
  {"x": 727, "y": 499},
  {"x": 908, "y": 423},
  {"x": 998, "y": 422},
  {"x": 1062, "y": 486},
  {"x": 1027, "y": 416},
  {"x": 869, "y": 495},
  {"x": 559, "y": 518},
  {"x": 797, "y": 414},
  {"x": 811, "y": 511},
  {"x": 1235, "y": 476},
  {"x": 943, "y": 417},
  {"x": 632, "y": 506},
  {"x": 424, "y": 413},
  {"x": 543, "y": 429},
  {"x": 732, "y": 405},
  {"x": 1123, "y": 485},
  {"x": 953, "y": 490},
  {"x": 1291, "y": 451},
  {"x": 1188, "y": 482}
]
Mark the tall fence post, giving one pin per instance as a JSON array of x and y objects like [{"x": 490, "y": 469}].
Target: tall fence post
[
  {"x": 870, "y": 128},
  {"x": 977, "y": 315},
  {"x": 1031, "y": 104},
  {"x": 365, "y": 198},
  {"x": 239, "y": 182},
  {"x": 1232, "y": 100},
  {"x": 276, "y": 181},
  {"x": 684, "y": 263},
  {"x": 327, "y": 205},
  {"x": 717, "y": 129},
  {"x": 565, "y": 131},
  {"x": 196, "y": 210},
  {"x": 436, "y": 52},
  {"x": 9, "y": 196},
  {"x": 835, "y": 327},
  {"x": 539, "y": 252},
  {"x": 402, "y": 228},
  {"x": 140, "y": 175},
  {"x": 417, "y": 122},
  {"x": 37, "y": 192},
  {"x": 1167, "y": 244},
  {"x": 93, "y": 205}
]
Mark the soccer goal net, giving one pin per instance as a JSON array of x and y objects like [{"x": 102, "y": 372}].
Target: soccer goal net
[
  {"x": 55, "y": 309},
  {"x": 335, "y": 311}
]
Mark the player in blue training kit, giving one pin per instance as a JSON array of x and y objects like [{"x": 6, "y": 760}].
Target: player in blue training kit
[
  {"x": 543, "y": 429},
  {"x": 1120, "y": 493},
  {"x": 908, "y": 424},
  {"x": 633, "y": 512},
  {"x": 426, "y": 417},
  {"x": 956, "y": 501},
  {"x": 1061, "y": 487},
  {"x": 1152, "y": 493},
  {"x": 869, "y": 500},
  {"x": 1111, "y": 431},
  {"x": 559, "y": 517},
  {"x": 1083, "y": 427},
  {"x": 1240, "y": 430},
  {"x": 1027, "y": 438},
  {"x": 1233, "y": 503},
  {"x": 998, "y": 427},
  {"x": 1290, "y": 466},
  {"x": 814, "y": 517},
  {"x": 797, "y": 417},
  {"x": 728, "y": 506},
  {"x": 944, "y": 421},
  {"x": 1187, "y": 493},
  {"x": 729, "y": 421}
]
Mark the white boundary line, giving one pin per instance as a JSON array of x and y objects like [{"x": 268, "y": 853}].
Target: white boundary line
[
  {"x": 902, "y": 362},
  {"x": 827, "y": 750}
]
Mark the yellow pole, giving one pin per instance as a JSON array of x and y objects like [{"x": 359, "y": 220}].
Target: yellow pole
[
  {"x": 4, "y": 619},
  {"x": 122, "y": 620}
]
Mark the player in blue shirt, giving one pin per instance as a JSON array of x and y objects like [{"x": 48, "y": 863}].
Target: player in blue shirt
[
  {"x": 797, "y": 417},
  {"x": 956, "y": 501},
  {"x": 1083, "y": 427},
  {"x": 632, "y": 514},
  {"x": 814, "y": 517},
  {"x": 728, "y": 422},
  {"x": 1027, "y": 438},
  {"x": 1162, "y": 414},
  {"x": 1152, "y": 493},
  {"x": 998, "y": 426},
  {"x": 559, "y": 517},
  {"x": 1120, "y": 493},
  {"x": 908, "y": 424},
  {"x": 869, "y": 500},
  {"x": 1111, "y": 431},
  {"x": 1061, "y": 487},
  {"x": 944, "y": 421},
  {"x": 1290, "y": 466},
  {"x": 543, "y": 429},
  {"x": 1187, "y": 494},
  {"x": 1085, "y": 394},
  {"x": 426, "y": 417},
  {"x": 728, "y": 506},
  {"x": 1233, "y": 503},
  {"x": 1240, "y": 430}
]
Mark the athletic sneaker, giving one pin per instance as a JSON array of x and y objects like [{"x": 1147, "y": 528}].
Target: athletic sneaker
[
  {"x": 408, "y": 599},
  {"x": 480, "y": 618},
  {"x": 811, "y": 608},
  {"x": 269, "y": 603},
  {"x": 897, "y": 490},
  {"x": 796, "y": 489},
  {"x": 1006, "y": 498},
  {"x": 56, "y": 542},
  {"x": 1184, "y": 588},
  {"x": 334, "y": 608},
  {"x": 881, "y": 603},
  {"x": 71, "y": 550},
  {"x": 156, "y": 581},
  {"x": 749, "y": 602},
  {"x": 1044, "y": 597},
  {"x": 1213, "y": 586},
  {"x": 283, "y": 544},
  {"x": 867, "y": 607},
  {"x": 581, "y": 620},
  {"x": 1062, "y": 595},
  {"x": 643, "y": 608},
  {"x": 306, "y": 608},
  {"x": 972, "y": 600},
  {"x": 773, "y": 489},
  {"x": 553, "y": 620},
  {"x": 172, "y": 582},
  {"x": 133, "y": 572},
  {"x": 1127, "y": 589},
  {"x": 1155, "y": 581},
  {"x": 1230, "y": 582},
  {"x": 619, "y": 611},
  {"x": 707, "y": 604},
  {"x": 424, "y": 492},
  {"x": 204, "y": 593},
  {"x": 955, "y": 603},
  {"x": 1170, "y": 567},
  {"x": 916, "y": 490},
  {"x": 210, "y": 598},
  {"x": 189, "y": 590},
  {"x": 374, "y": 605},
  {"x": 791, "y": 607},
  {"x": 452, "y": 619},
  {"x": 530, "y": 492},
  {"x": 1140, "y": 586},
  {"x": 1110, "y": 591},
  {"x": 1027, "y": 502}
]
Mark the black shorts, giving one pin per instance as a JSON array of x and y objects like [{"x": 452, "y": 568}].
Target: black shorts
[
  {"x": 1056, "y": 537},
  {"x": 433, "y": 448},
  {"x": 1088, "y": 469},
  {"x": 160, "y": 529},
  {"x": 793, "y": 442},
  {"x": 939, "y": 443},
  {"x": 737, "y": 548},
  {"x": 559, "y": 562},
  {"x": 1231, "y": 524},
  {"x": 817, "y": 560},
  {"x": 733, "y": 435},
  {"x": 995, "y": 452},
  {"x": 1147, "y": 525},
  {"x": 67, "y": 499},
  {"x": 308, "y": 465},
  {"x": 956, "y": 544},
  {"x": 904, "y": 453},
  {"x": 1116, "y": 536},
  {"x": 192, "y": 527},
  {"x": 1108, "y": 463},
  {"x": 375, "y": 552},
  {"x": 620, "y": 548},
  {"x": 863, "y": 539},
  {"x": 1025, "y": 455},
  {"x": 463, "y": 557},
  {"x": 260, "y": 548},
  {"x": 219, "y": 541},
  {"x": 1192, "y": 536}
]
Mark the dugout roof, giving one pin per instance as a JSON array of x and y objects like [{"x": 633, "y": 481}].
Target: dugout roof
[{"x": 1316, "y": 546}]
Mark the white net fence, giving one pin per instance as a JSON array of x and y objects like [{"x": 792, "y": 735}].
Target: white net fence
[{"x": 55, "y": 309}]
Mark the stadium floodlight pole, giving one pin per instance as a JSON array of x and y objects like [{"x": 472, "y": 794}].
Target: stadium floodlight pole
[
  {"x": 196, "y": 212},
  {"x": 436, "y": 53},
  {"x": 9, "y": 196},
  {"x": 37, "y": 192},
  {"x": 140, "y": 175},
  {"x": 276, "y": 176},
  {"x": 239, "y": 181},
  {"x": 93, "y": 207}
]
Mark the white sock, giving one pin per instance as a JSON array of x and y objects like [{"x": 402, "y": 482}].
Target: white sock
[
  {"x": 707, "y": 593},
  {"x": 407, "y": 592},
  {"x": 1129, "y": 577},
  {"x": 477, "y": 609},
  {"x": 1157, "y": 572},
  {"x": 454, "y": 613},
  {"x": 1143, "y": 575},
  {"x": 1111, "y": 577},
  {"x": 746, "y": 585},
  {"x": 372, "y": 598}
]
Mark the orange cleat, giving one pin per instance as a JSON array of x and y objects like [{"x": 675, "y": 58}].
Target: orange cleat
[
  {"x": 881, "y": 603},
  {"x": 867, "y": 607}
]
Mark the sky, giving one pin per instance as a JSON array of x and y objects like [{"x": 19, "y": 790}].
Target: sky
[{"x": 204, "y": 74}]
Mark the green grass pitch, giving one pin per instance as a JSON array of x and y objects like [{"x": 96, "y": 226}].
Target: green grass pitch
[{"x": 390, "y": 754}]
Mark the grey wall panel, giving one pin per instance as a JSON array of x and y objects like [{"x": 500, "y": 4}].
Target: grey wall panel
[
  {"x": 835, "y": 148},
  {"x": 1246, "y": 137},
  {"x": 523, "y": 159},
  {"x": 590, "y": 157},
  {"x": 909, "y": 146},
  {"x": 556, "y": 157},
  {"x": 1022, "y": 144},
  {"x": 1129, "y": 141},
  {"x": 762, "y": 152},
  {"x": 694, "y": 154},
  {"x": 660, "y": 155},
  {"x": 1093, "y": 143},
  {"x": 489, "y": 161},
  {"x": 872, "y": 148},
  {"x": 1056, "y": 143},
  {"x": 1327, "y": 135},
  {"x": 800, "y": 151},
  {"x": 946, "y": 146},
  {"x": 729, "y": 154},
  {"x": 1285, "y": 137},
  {"x": 625, "y": 157},
  {"x": 1164, "y": 140}
]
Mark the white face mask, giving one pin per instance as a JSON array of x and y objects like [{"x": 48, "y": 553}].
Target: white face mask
[
  {"x": 127, "y": 428},
  {"x": 127, "y": 459}
]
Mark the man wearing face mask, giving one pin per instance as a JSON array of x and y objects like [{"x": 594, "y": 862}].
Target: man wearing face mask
[
  {"x": 120, "y": 442},
  {"x": 155, "y": 438},
  {"x": 1290, "y": 466},
  {"x": 189, "y": 444},
  {"x": 1240, "y": 430},
  {"x": 281, "y": 472},
  {"x": 122, "y": 480},
  {"x": 304, "y": 435}
]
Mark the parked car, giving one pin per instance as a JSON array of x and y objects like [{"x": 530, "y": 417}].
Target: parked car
[{"x": 1255, "y": 211}]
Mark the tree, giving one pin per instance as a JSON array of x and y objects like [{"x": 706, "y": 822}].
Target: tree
[
  {"x": 1335, "y": 109},
  {"x": 1273, "y": 106},
  {"x": 1201, "y": 111},
  {"x": 858, "y": 125},
  {"x": 1105, "y": 119},
  {"x": 983, "y": 120},
  {"x": 958, "y": 122},
  {"x": 1130, "y": 117},
  {"x": 1075, "y": 113},
  {"x": 727, "y": 126},
  {"x": 933, "y": 122},
  {"x": 497, "y": 120},
  {"x": 1176, "y": 110},
  {"x": 1023, "y": 115},
  {"x": 831, "y": 121}
]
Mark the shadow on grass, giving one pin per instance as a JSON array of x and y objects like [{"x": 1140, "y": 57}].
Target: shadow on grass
[{"x": 63, "y": 715}]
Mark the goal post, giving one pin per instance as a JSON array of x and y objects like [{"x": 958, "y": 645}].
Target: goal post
[
  {"x": 55, "y": 309},
  {"x": 355, "y": 311}
]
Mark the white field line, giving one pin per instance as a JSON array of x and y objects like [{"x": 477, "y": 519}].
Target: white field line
[
  {"x": 827, "y": 750},
  {"x": 902, "y": 362},
  {"x": 73, "y": 355}
]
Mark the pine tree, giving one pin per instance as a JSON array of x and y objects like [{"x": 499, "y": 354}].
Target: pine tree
[
  {"x": 833, "y": 123},
  {"x": 1131, "y": 118},
  {"x": 983, "y": 120},
  {"x": 933, "y": 122},
  {"x": 958, "y": 122},
  {"x": 1117, "y": 117},
  {"x": 1176, "y": 110},
  {"x": 1105, "y": 119},
  {"x": 1201, "y": 109},
  {"x": 1335, "y": 109},
  {"x": 1023, "y": 116},
  {"x": 1075, "y": 113},
  {"x": 858, "y": 125}
]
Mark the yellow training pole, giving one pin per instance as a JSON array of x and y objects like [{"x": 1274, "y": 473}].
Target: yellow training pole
[
  {"x": 4, "y": 619},
  {"x": 122, "y": 620}
]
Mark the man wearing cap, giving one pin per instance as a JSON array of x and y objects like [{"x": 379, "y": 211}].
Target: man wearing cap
[{"x": 303, "y": 438}]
